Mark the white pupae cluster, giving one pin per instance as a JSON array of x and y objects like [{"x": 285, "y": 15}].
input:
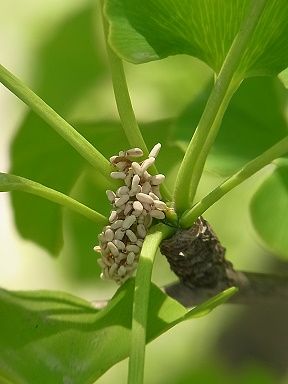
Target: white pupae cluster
[{"x": 135, "y": 204}]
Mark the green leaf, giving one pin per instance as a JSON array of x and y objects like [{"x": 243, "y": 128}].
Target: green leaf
[
  {"x": 54, "y": 163},
  {"x": 66, "y": 71},
  {"x": 269, "y": 211},
  {"x": 79, "y": 258},
  {"x": 254, "y": 121},
  {"x": 201, "y": 28},
  {"x": 283, "y": 76},
  {"x": 41, "y": 221},
  {"x": 210, "y": 371},
  {"x": 54, "y": 337},
  {"x": 15, "y": 183}
]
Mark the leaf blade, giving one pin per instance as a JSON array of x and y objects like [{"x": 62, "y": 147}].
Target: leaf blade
[
  {"x": 66, "y": 337},
  {"x": 35, "y": 140},
  {"x": 204, "y": 29}
]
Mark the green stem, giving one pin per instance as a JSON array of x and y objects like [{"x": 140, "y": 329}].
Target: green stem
[
  {"x": 122, "y": 97},
  {"x": 199, "y": 166},
  {"x": 278, "y": 150},
  {"x": 226, "y": 83},
  {"x": 86, "y": 149},
  {"x": 17, "y": 183},
  {"x": 124, "y": 105},
  {"x": 141, "y": 301}
]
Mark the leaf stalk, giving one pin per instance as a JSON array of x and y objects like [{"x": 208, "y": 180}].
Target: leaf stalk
[
  {"x": 16, "y": 183},
  {"x": 276, "y": 151},
  {"x": 141, "y": 301},
  {"x": 226, "y": 84}
]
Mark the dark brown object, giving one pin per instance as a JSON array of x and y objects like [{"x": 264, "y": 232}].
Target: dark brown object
[{"x": 198, "y": 259}]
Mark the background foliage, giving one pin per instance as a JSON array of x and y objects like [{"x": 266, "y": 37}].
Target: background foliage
[{"x": 73, "y": 78}]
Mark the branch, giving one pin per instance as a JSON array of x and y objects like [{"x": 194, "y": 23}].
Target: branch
[
  {"x": 253, "y": 288},
  {"x": 197, "y": 257}
]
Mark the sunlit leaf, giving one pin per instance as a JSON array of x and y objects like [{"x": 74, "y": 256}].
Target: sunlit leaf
[
  {"x": 283, "y": 76},
  {"x": 67, "y": 339},
  {"x": 269, "y": 211},
  {"x": 154, "y": 29}
]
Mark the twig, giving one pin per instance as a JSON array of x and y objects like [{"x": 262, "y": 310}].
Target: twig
[
  {"x": 253, "y": 288},
  {"x": 198, "y": 259}
]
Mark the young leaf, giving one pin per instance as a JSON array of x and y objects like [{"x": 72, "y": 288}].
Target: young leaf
[
  {"x": 67, "y": 339},
  {"x": 269, "y": 211},
  {"x": 201, "y": 28}
]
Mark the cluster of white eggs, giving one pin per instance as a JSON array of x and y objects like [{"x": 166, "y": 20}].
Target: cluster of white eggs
[{"x": 135, "y": 204}]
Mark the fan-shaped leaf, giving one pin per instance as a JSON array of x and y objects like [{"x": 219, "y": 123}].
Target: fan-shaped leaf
[
  {"x": 148, "y": 30},
  {"x": 70, "y": 341}
]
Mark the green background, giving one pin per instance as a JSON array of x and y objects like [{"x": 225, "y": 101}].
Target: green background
[{"x": 58, "y": 50}]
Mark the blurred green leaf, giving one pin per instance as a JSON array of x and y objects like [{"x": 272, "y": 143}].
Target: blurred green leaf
[
  {"x": 283, "y": 76},
  {"x": 269, "y": 211},
  {"x": 16, "y": 183},
  {"x": 68, "y": 339},
  {"x": 55, "y": 164},
  {"x": 81, "y": 235},
  {"x": 254, "y": 121},
  {"x": 69, "y": 65},
  {"x": 154, "y": 29},
  {"x": 212, "y": 373}
]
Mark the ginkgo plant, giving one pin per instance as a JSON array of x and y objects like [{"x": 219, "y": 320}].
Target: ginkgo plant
[{"x": 237, "y": 40}]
